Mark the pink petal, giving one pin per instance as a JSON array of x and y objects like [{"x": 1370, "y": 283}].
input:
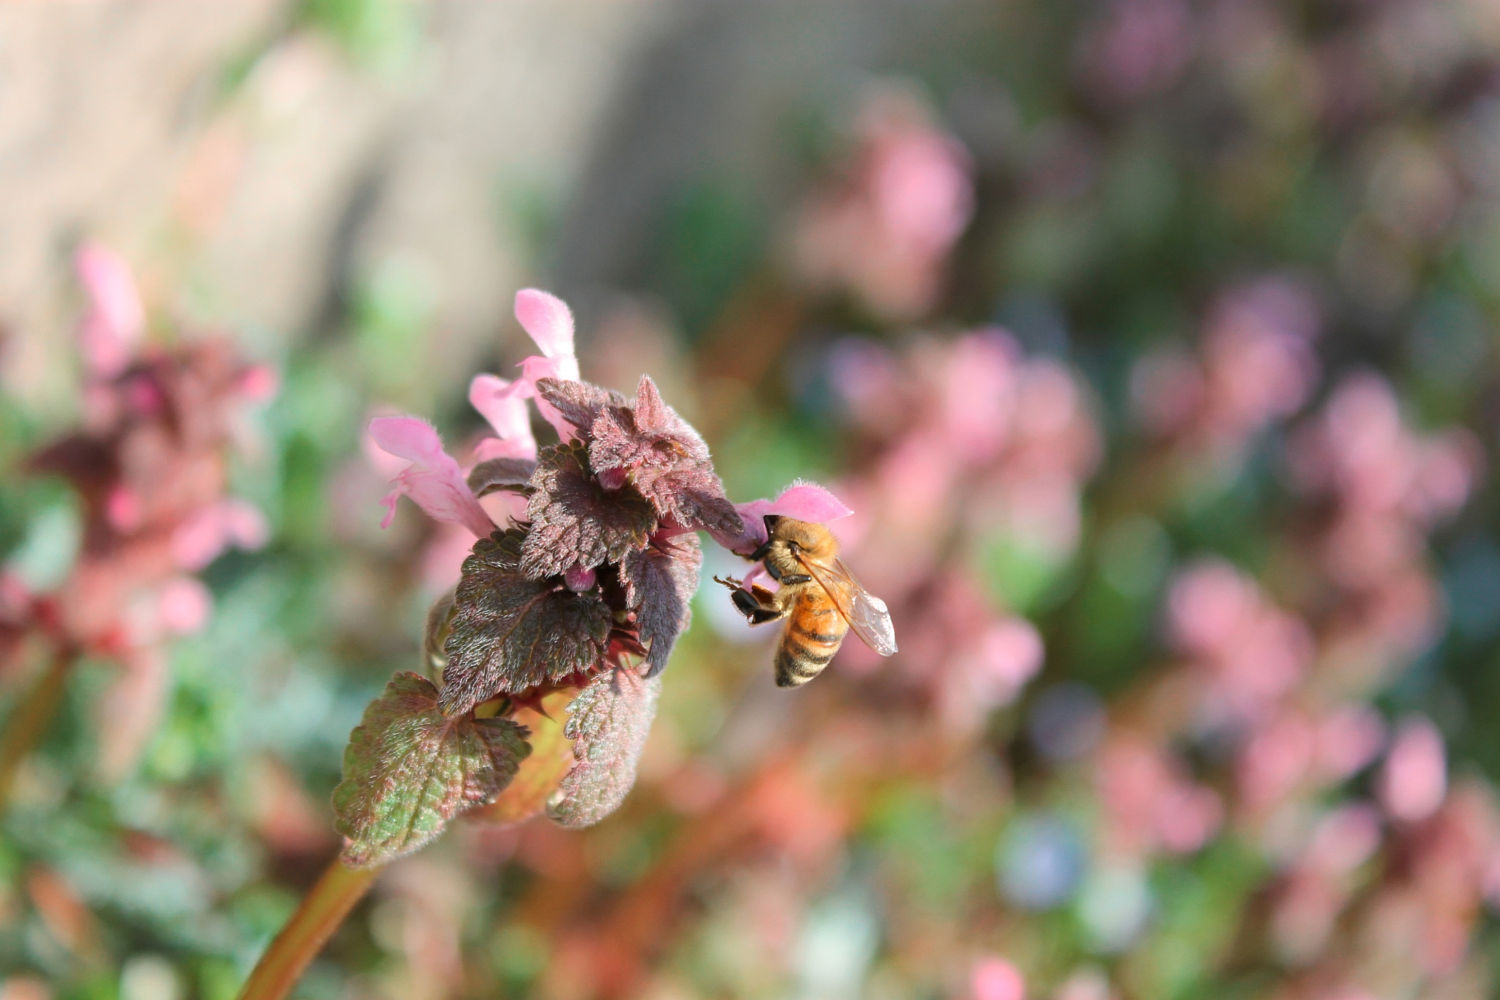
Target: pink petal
[
  {"x": 116, "y": 318},
  {"x": 803, "y": 501},
  {"x": 260, "y": 383},
  {"x": 244, "y": 524},
  {"x": 500, "y": 402},
  {"x": 183, "y": 605},
  {"x": 996, "y": 979},
  {"x": 1415, "y": 778},
  {"x": 534, "y": 368},
  {"x": 549, "y": 322},
  {"x": 433, "y": 480},
  {"x": 198, "y": 539}
]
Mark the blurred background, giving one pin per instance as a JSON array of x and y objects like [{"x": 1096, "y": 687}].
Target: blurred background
[{"x": 1154, "y": 343}]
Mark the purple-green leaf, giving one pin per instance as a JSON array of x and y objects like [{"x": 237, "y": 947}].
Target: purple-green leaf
[
  {"x": 659, "y": 584},
  {"x": 409, "y": 769},
  {"x": 510, "y": 633},
  {"x": 501, "y": 474},
  {"x": 578, "y": 402},
  {"x": 575, "y": 521},
  {"x": 691, "y": 496},
  {"x": 608, "y": 723},
  {"x": 648, "y": 433}
]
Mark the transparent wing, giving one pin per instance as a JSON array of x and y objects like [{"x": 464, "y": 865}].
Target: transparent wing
[{"x": 867, "y": 614}]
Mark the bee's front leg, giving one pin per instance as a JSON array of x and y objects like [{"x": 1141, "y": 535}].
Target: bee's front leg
[{"x": 756, "y": 603}]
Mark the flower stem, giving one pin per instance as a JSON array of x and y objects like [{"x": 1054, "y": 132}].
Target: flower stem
[
  {"x": 30, "y": 719},
  {"x": 324, "y": 907}
]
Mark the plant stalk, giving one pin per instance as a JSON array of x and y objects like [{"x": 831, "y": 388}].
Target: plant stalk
[
  {"x": 322, "y": 910},
  {"x": 31, "y": 718}
]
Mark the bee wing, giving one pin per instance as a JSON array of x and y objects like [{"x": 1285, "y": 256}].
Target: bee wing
[{"x": 867, "y": 614}]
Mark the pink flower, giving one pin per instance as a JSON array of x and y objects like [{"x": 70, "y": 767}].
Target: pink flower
[
  {"x": 115, "y": 319},
  {"x": 499, "y": 403},
  {"x": 802, "y": 500},
  {"x": 1414, "y": 780},
  {"x": 996, "y": 979},
  {"x": 433, "y": 480},
  {"x": 549, "y": 322},
  {"x": 184, "y": 604},
  {"x": 206, "y": 533}
]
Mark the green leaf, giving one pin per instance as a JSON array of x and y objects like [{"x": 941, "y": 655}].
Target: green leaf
[
  {"x": 575, "y": 520},
  {"x": 510, "y": 633},
  {"x": 608, "y": 724},
  {"x": 409, "y": 769}
]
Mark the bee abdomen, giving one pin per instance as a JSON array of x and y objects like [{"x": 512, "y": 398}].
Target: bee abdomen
[{"x": 800, "y": 665}]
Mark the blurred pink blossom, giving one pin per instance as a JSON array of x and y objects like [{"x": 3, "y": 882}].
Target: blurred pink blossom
[
  {"x": 883, "y": 231},
  {"x": 1349, "y": 737},
  {"x": 995, "y": 978},
  {"x": 1136, "y": 47},
  {"x": 184, "y": 605},
  {"x": 209, "y": 531},
  {"x": 1414, "y": 779},
  {"x": 115, "y": 319},
  {"x": 1150, "y": 802},
  {"x": 1255, "y": 365},
  {"x": 1254, "y": 651}
]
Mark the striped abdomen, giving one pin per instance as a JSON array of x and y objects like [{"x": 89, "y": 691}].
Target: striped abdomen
[{"x": 813, "y": 633}]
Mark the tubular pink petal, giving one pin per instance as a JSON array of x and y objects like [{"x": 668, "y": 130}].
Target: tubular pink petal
[
  {"x": 115, "y": 319},
  {"x": 548, "y": 321},
  {"x": 504, "y": 406},
  {"x": 433, "y": 480},
  {"x": 504, "y": 448},
  {"x": 802, "y": 500},
  {"x": 411, "y": 438}
]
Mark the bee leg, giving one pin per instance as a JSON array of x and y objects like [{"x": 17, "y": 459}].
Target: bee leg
[
  {"x": 730, "y": 582},
  {"x": 793, "y": 578},
  {"x": 745, "y": 603}
]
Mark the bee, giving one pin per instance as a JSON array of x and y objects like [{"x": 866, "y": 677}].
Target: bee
[{"x": 818, "y": 597}]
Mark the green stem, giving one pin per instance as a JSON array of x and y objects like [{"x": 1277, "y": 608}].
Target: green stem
[
  {"x": 324, "y": 907},
  {"x": 30, "y": 719}
]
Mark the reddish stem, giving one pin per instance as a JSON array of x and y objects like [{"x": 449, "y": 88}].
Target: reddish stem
[{"x": 323, "y": 909}]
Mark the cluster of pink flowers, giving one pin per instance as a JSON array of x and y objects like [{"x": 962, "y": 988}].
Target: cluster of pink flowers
[
  {"x": 149, "y": 466},
  {"x": 1278, "y": 690},
  {"x": 962, "y": 443},
  {"x": 882, "y": 228},
  {"x": 1383, "y": 488},
  {"x": 1254, "y": 365}
]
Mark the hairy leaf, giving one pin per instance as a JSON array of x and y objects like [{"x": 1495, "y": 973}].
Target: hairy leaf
[
  {"x": 659, "y": 584},
  {"x": 501, "y": 474},
  {"x": 608, "y": 724},
  {"x": 693, "y": 497},
  {"x": 575, "y": 521},
  {"x": 510, "y": 633},
  {"x": 648, "y": 433},
  {"x": 409, "y": 769},
  {"x": 578, "y": 402}
]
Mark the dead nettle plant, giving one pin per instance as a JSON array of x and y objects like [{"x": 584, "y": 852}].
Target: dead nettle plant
[
  {"x": 544, "y": 664},
  {"x": 148, "y": 463}
]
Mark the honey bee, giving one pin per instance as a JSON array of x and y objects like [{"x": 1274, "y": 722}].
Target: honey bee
[{"x": 818, "y": 597}]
